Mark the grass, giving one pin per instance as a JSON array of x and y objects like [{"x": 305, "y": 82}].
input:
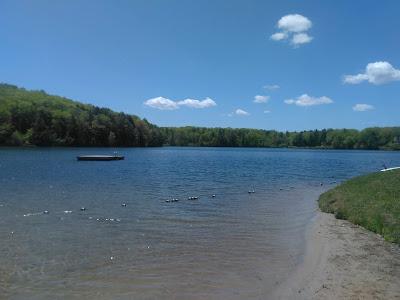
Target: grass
[{"x": 371, "y": 201}]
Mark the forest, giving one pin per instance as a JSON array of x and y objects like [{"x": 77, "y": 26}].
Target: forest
[
  {"x": 387, "y": 138},
  {"x": 35, "y": 118}
]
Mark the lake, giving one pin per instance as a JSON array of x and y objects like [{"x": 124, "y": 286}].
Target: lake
[{"x": 236, "y": 245}]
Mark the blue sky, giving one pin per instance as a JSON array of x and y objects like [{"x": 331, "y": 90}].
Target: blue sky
[{"x": 176, "y": 54}]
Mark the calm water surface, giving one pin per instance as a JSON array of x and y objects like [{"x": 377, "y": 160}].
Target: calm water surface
[{"x": 236, "y": 245}]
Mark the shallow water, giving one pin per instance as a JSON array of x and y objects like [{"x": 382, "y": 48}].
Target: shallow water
[{"x": 236, "y": 245}]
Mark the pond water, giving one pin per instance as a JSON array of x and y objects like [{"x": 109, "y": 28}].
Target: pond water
[{"x": 130, "y": 243}]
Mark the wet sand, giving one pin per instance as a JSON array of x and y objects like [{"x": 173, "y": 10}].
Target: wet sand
[{"x": 344, "y": 261}]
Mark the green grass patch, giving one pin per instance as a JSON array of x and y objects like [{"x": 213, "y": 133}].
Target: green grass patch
[{"x": 371, "y": 201}]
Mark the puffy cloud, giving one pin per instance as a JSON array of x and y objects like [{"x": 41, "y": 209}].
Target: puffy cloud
[
  {"x": 306, "y": 100},
  {"x": 162, "y": 103},
  {"x": 355, "y": 79},
  {"x": 168, "y": 104},
  {"x": 267, "y": 111},
  {"x": 279, "y": 36},
  {"x": 241, "y": 112},
  {"x": 271, "y": 87},
  {"x": 379, "y": 72},
  {"x": 362, "y": 107},
  {"x": 289, "y": 101},
  {"x": 294, "y": 27},
  {"x": 261, "y": 99},
  {"x": 294, "y": 23},
  {"x": 193, "y": 103},
  {"x": 301, "y": 38}
]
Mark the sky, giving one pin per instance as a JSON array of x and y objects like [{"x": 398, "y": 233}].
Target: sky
[{"x": 284, "y": 65}]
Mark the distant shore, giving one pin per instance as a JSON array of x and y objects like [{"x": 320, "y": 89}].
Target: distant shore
[
  {"x": 112, "y": 148},
  {"x": 37, "y": 118},
  {"x": 344, "y": 261}
]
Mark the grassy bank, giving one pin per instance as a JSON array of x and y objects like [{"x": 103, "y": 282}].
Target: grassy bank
[{"x": 372, "y": 201}]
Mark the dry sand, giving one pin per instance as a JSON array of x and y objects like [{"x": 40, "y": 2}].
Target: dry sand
[{"x": 344, "y": 261}]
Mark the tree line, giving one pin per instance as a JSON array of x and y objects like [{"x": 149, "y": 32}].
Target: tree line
[
  {"x": 37, "y": 118},
  {"x": 370, "y": 138}
]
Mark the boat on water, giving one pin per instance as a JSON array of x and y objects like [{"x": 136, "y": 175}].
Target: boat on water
[{"x": 100, "y": 157}]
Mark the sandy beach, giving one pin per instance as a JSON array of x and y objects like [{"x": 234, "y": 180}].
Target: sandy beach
[{"x": 344, "y": 261}]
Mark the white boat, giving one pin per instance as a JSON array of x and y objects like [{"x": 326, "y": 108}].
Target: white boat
[{"x": 390, "y": 169}]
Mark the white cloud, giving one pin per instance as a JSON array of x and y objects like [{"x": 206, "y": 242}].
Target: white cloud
[
  {"x": 267, "y": 111},
  {"x": 278, "y": 36},
  {"x": 162, "y": 103},
  {"x": 289, "y": 101},
  {"x": 301, "y": 38},
  {"x": 293, "y": 26},
  {"x": 168, "y": 104},
  {"x": 241, "y": 112},
  {"x": 355, "y": 79},
  {"x": 294, "y": 23},
  {"x": 362, "y": 107},
  {"x": 261, "y": 99},
  {"x": 306, "y": 100},
  {"x": 379, "y": 72},
  {"x": 193, "y": 103},
  {"x": 271, "y": 87}
]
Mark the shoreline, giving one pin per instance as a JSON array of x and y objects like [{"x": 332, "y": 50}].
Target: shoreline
[
  {"x": 343, "y": 261},
  {"x": 3, "y": 146}
]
